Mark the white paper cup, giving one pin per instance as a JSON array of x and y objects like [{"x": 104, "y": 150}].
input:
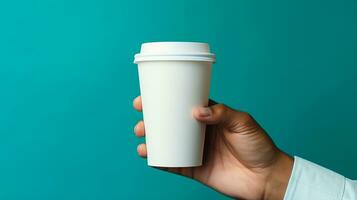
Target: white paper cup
[{"x": 174, "y": 78}]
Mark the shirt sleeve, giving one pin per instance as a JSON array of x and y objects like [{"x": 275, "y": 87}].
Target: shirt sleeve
[{"x": 311, "y": 181}]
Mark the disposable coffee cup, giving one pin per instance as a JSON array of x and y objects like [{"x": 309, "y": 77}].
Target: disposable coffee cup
[{"x": 174, "y": 79}]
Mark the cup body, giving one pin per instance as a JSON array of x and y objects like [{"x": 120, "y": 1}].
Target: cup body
[{"x": 169, "y": 91}]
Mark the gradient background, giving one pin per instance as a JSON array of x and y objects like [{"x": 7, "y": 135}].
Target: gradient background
[{"x": 67, "y": 82}]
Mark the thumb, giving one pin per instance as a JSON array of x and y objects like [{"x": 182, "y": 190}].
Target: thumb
[{"x": 215, "y": 114}]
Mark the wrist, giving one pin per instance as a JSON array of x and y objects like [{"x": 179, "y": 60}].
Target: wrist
[{"x": 278, "y": 178}]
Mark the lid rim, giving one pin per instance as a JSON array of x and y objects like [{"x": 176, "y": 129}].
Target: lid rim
[
  {"x": 187, "y": 57},
  {"x": 176, "y": 54}
]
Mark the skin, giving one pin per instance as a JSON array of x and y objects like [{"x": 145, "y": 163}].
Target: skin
[{"x": 240, "y": 159}]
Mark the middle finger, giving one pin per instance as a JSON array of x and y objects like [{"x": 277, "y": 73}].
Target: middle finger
[{"x": 139, "y": 129}]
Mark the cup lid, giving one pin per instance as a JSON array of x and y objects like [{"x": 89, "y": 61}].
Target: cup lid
[{"x": 184, "y": 51}]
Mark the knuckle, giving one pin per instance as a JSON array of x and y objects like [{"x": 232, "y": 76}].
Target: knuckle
[{"x": 221, "y": 109}]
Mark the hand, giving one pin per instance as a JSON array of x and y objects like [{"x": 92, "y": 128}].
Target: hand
[{"x": 240, "y": 159}]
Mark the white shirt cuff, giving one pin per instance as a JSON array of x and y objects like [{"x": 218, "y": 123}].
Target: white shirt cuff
[{"x": 311, "y": 181}]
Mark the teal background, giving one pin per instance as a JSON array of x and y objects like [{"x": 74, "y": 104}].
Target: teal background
[{"x": 67, "y": 82}]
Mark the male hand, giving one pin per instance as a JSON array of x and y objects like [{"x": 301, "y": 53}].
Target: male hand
[{"x": 240, "y": 159}]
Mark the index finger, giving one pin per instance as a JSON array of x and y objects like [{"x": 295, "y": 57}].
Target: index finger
[{"x": 137, "y": 104}]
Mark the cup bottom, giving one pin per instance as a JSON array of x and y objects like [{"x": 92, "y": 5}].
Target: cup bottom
[{"x": 175, "y": 165}]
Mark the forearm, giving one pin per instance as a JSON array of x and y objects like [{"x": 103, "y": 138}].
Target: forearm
[{"x": 278, "y": 178}]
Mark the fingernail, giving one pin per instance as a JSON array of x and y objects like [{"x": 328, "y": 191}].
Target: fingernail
[
  {"x": 205, "y": 111},
  {"x": 135, "y": 127}
]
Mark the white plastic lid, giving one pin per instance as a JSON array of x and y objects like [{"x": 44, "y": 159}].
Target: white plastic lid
[{"x": 187, "y": 51}]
